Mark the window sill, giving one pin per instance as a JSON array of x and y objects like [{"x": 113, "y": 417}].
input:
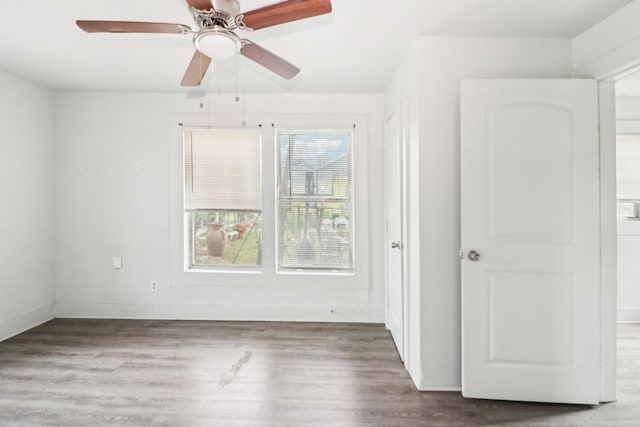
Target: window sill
[
  {"x": 311, "y": 272},
  {"x": 223, "y": 270}
]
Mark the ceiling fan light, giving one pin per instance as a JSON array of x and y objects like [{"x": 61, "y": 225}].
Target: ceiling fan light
[{"x": 217, "y": 43}]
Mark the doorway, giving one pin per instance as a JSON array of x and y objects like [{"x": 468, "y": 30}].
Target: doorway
[
  {"x": 610, "y": 82},
  {"x": 628, "y": 197}
]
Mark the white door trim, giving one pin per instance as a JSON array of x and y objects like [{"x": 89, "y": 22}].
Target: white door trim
[
  {"x": 404, "y": 149},
  {"x": 608, "y": 242}
]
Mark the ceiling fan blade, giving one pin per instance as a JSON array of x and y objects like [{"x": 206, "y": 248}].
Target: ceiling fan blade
[
  {"x": 201, "y": 4},
  {"x": 286, "y": 11},
  {"x": 132, "y": 27},
  {"x": 269, "y": 60},
  {"x": 196, "y": 70}
]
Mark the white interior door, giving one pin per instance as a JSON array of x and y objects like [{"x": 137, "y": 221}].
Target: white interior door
[
  {"x": 530, "y": 240},
  {"x": 394, "y": 251}
]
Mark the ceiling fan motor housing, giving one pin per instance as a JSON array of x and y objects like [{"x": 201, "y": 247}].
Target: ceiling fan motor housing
[
  {"x": 223, "y": 14},
  {"x": 231, "y": 7}
]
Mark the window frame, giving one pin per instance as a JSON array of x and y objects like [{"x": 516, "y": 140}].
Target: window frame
[{"x": 289, "y": 281}]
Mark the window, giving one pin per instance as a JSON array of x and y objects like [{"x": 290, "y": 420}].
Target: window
[
  {"x": 315, "y": 196},
  {"x": 628, "y": 175},
  {"x": 223, "y": 197}
]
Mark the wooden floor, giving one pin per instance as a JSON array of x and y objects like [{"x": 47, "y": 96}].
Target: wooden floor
[{"x": 192, "y": 373}]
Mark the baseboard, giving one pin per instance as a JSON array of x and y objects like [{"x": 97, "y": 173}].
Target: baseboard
[
  {"x": 422, "y": 383},
  {"x": 415, "y": 373},
  {"x": 448, "y": 389},
  {"x": 425, "y": 386},
  {"x": 629, "y": 315},
  {"x": 26, "y": 321},
  {"x": 219, "y": 312}
]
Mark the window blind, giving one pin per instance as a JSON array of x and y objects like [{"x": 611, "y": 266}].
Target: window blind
[
  {"x": 628, "y": 166},
  {"x": 315, "y": 199},
  {"x": 222, "y": 169}
]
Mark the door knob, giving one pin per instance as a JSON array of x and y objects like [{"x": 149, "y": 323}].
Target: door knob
[
  {"x": 395, "y": 245},
  {"x": 473, "y": 256}
]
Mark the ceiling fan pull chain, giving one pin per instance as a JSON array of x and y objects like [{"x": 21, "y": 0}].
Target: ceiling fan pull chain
[{"x": 237, "y": 97}]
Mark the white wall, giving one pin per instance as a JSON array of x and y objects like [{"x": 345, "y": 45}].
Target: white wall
[
  {"x": 442, "y": 63},
  {"x": 628, "y": 110},
  {"x": 628, "y": 121},
  {"x": 119, "y": 174},
  {"x": 28, "y": 210}
]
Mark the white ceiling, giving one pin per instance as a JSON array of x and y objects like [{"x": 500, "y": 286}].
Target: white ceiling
[{"x": 355, "y": 49}]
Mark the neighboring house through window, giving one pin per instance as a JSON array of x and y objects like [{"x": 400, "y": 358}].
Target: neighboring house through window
[{"x": 315, "y": 200}]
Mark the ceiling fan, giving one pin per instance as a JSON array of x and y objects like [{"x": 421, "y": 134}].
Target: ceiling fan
[{"x": 216, "y": 21}]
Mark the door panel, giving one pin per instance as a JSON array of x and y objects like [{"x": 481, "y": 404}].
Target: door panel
[
  {"x": 513, "y": 337},
  {"x": 518, "y": 192},
  {"x": 394, "y": 251},
  {"x": 530, "y": 208}
]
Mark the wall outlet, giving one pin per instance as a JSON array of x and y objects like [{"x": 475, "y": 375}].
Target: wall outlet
[
  {"x": 117, "y": 262},
  {"x": 154, "y": 286}
]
